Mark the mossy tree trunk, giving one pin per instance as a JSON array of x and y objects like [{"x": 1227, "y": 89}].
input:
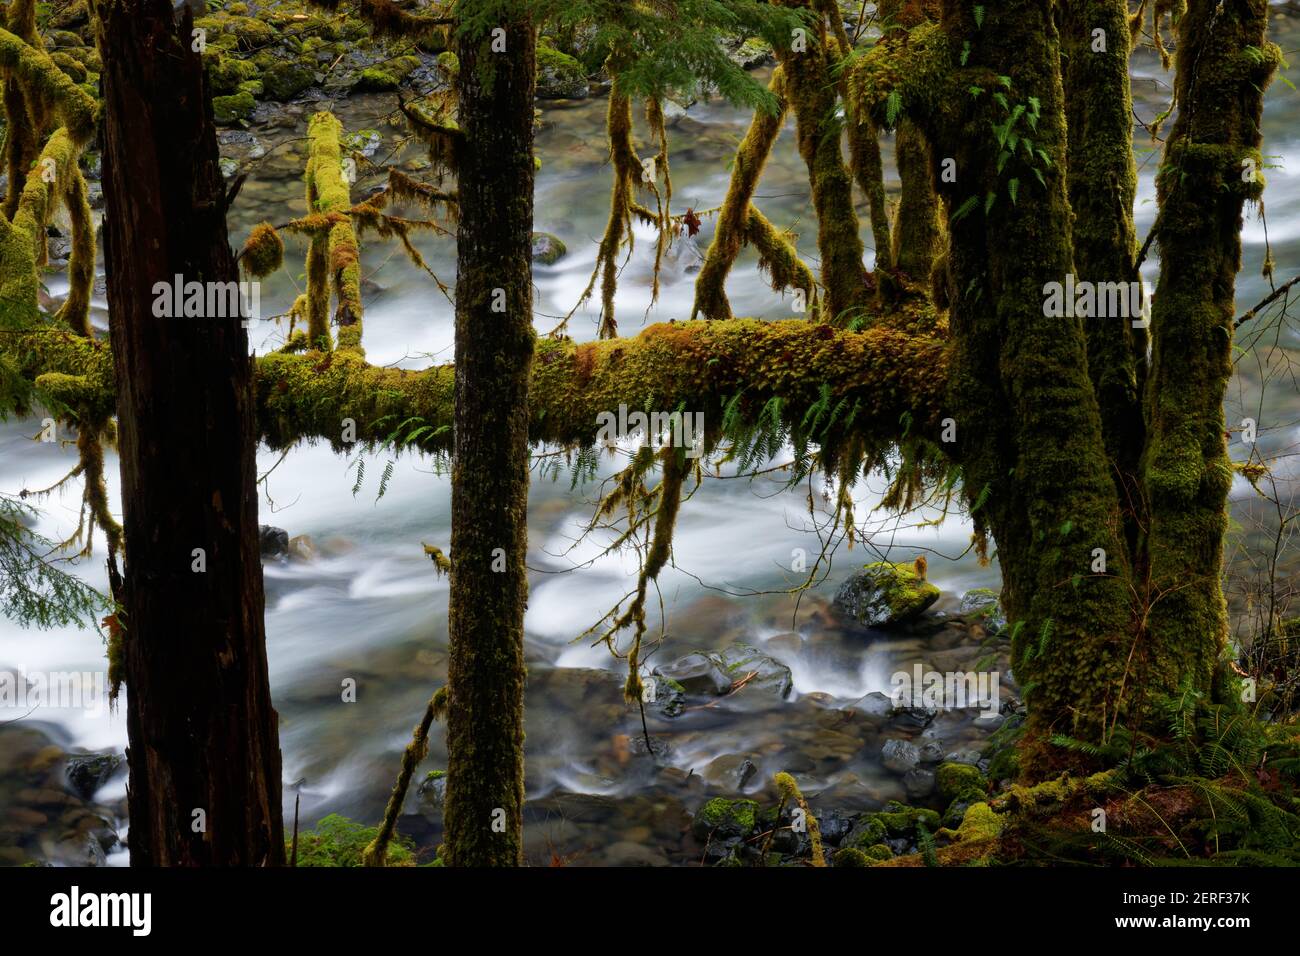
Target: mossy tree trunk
[
  {"x": 1102, "y": 182},
  {"x": 494, "y": 351},
  {"x": 812, "y": 95},
  {"x": 203, "y": 749},
  {"x": 1029, "y": 430},
  {"x": 917, "y": 237},
  {"x": 1104, "y": 612},
  {"x": 1210, "y": 168},
  {"x": 22, "y": 128}
]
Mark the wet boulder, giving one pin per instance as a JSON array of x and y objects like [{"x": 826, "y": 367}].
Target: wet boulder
[
  {"x": 696, "y": 674},
  {"x": 547, "y": 249},
  {"x": 759, "y": 675},
  {"x": 86, "y": 773},
  {"x": 900, "y": 756},
  {"x": 985, "y": 606},
  {"x": 559, "y": 76},
  {"x": 274, "y": 541},
  {"x": 883, "y": 594}
]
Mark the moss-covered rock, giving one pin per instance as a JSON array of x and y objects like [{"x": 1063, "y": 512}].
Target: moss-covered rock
[
  {"x": 559, "y": 76},
  {"x": 895, "y": 821},
  {"x": 984, "y": 605},
  {"x": 386, "y": 76},
  {"x": 226, "y": 73},
  {"x": 884, "y": 594},
  {"x": 979, "y": 823},
  {"x": 249, "y": 33},
  {"x": 753, "y": 53},
  {"x": 850, "y": 856},
  {"x": 285, "y": 80},
  {"x": 229, "y": 110},
  {"x": 878, "y": 852},
  {"x": 69, "y": 14},
  {"x": 956, "y": 779},
  {"x": 338, "y": 841},
  {"x": 547, "y": 249},
  {"x": 62, "y": 38},
  {"x": 722, "y": 819}
]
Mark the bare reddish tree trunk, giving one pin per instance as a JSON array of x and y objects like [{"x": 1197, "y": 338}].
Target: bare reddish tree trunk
[{"x": 204, "y": 753}]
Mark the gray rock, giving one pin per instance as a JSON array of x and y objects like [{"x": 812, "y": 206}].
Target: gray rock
[
  {"x": 665, "y": 694},
  {"x": 835, "y": 825},
  {"x": 984, "y": 605},
  {"x": 88, "y": 772},
  {"x": 900, "y": 756},
  {"x": 918, "y": 783},
  {"x": 876, "y": 705},
  {"x": 770, "y": 678},
  {"x": 931, "y": 751},
  {"x": 910, "y": 715},
  {"x": 966, "y": 755},
  {"x": 547, "y": 249},
  {"x": 433, "y": 789},
  {"x": 697, "y": 674},
  {"x": 274, "y": 541}
]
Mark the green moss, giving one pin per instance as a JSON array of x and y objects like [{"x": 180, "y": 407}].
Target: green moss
[
  {"x": 226, "y": 73},
  {"x": 386, "y": 76},
  {"x": 980, "y": 823},
  {"x": 338, "y": 841},
  {"x": 723, "y": 812},
  {"x": 264, "y": 251},
  {"x": 956, "y": 779},
  {"x": 849, "y": 856},
  {"x": 229, "y": 110},
  {"x": 283, "y": 81},
  {"x": 75, "y": 70},
  {"x": 559, "y": 76},
  {"x": 878, "y": 852}
]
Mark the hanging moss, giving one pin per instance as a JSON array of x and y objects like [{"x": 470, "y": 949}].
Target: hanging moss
[
  {"x": 263, "y": 251},
  {"x": 35, "y": 88}
]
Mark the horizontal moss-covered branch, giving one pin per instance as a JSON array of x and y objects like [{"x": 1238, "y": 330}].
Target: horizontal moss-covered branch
[{"x": 877, "y": 378}]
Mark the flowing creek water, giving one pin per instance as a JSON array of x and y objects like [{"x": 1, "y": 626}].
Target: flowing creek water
[{"x": 369, "y": 607}]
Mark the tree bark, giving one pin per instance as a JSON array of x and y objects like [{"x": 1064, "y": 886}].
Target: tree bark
[
  {"x": 202, "y": 731},
  {"x": 489, "y": 539},
  {"x": 1102, "y": 182},
  {"x": 813, "y": 95},
  {"x": 1210, "y": 169}
]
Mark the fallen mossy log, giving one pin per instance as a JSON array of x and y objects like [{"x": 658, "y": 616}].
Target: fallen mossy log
[{"x": 876, "y": 378}]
